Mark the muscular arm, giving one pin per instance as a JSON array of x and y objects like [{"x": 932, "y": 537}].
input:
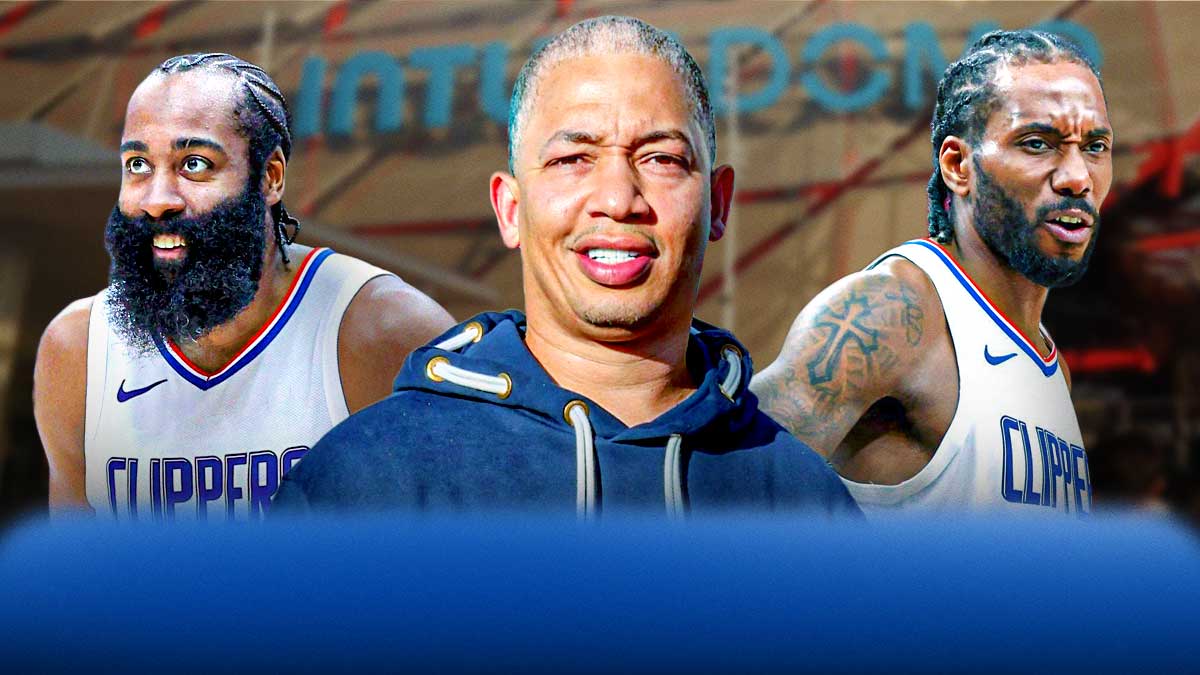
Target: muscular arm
[
  {"x": 384, "y": 323},
  {"x": 853, "y": 345},
  {"x": 59, "y": 394}
]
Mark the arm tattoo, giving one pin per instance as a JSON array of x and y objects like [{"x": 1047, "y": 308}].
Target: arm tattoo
[
  {"x": 844, "y": 326},
  {"x": 840, "y": 355}
]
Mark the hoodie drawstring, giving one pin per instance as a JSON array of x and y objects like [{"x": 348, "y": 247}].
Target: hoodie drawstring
[
  {"x": 674, "y": 494},
  {"x": 673, "y": 478},
  {"x": 733, "y": 379},
  {"x": 439, "y": 368},
  {"x": 587, "y": 478},
  {"x": 587, "y": 481},
  {"x": 470, "y": 333}
]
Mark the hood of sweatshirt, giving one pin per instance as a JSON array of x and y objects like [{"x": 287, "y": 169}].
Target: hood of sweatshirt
[
  {"x": 485, "y": 360},
  {"x": 476, "y": 423}
]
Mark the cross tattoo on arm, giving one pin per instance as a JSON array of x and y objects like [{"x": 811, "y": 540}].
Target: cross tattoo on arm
[{"x": 845, "y": 326}]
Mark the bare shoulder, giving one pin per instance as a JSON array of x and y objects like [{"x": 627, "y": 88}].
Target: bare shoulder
[
  {"x": 59, "y": 399},
  {"x": 389, "y": 313},
  {"x": 67, "y": 335},
  {"x": 385, "y": 322},
  {"x": 852, "y": 345}
]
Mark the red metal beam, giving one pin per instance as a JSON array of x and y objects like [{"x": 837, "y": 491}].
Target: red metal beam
[
  {"x": 1102, "y": 360},
  {"x": 825, "y": 197},
  {"x": 466, "y": 225},
  {"x": 15, "y": 15},
  {"x": 1163, "y": 155},
  {"x": 151, "y": 21},
  {"x": 1169, "y": 241},
  {"x": 799, "y": 191}
]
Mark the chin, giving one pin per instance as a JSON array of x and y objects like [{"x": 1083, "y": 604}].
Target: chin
[{"x": 619, "y": 314}]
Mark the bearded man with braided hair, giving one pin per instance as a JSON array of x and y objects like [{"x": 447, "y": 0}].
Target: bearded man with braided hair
[
  {"x": 927, "y": 379},
  {"x": 221, "y": 350}
]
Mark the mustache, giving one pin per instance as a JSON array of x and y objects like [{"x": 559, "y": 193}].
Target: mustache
[
  {"x": 148, "y": 226},
  {"x": 1067, "y": 203}
]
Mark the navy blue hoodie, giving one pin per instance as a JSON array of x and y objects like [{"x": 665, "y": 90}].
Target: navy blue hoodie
[{"x": 475, "y": 423}]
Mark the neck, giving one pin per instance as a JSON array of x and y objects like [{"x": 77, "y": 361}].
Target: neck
[
  {"x": 220, "y": 345},
  {"x": 1018, "y": 298},
  {"x": 635, "y": 380}
]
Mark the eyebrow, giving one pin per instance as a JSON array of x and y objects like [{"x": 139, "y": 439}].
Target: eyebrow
[
  {"x": 185, "y": 143},
  {"x": 573, "y": 136},
  {"x": 666, "y": 135},
  {"x": 1100, "y": 132},
  {"x": 568, "y": 136},
  {"x": 179, "y": 144}
]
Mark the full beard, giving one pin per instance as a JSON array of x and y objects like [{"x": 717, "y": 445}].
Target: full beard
[
  {"x": 1001, "y": 223},
  {"x": 217, "y": 278}
]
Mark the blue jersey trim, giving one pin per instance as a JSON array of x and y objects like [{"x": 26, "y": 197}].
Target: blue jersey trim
[
  {"x": 206, "y": 383},
  {"x": 986, "y": 306}
]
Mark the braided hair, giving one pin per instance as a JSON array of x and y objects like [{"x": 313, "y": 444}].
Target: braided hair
[
  {"x": 967, "y": 97},
  {"x": 263, "y": 119}
]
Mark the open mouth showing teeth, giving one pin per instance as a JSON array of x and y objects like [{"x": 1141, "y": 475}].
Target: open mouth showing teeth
[
  {"x": 611, "y": 256},
  {"x": 168, "y": 242},
  {"x": 1068, "y": 222}
]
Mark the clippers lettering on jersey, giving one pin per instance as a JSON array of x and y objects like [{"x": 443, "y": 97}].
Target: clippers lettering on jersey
[
  {"x": 123, "y": 395},
  {"x": 996, "y": 360},
  {"x": 244, "y": 481},
  {"x": 1057, "y": 476}
]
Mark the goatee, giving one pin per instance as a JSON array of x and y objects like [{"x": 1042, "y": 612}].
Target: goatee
[{"x": 217, "y": 277}]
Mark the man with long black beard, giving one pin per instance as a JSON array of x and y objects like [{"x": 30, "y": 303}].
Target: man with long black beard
[
  {"x": 220, "y": 350},
  {"x": 927, "y": 379}
]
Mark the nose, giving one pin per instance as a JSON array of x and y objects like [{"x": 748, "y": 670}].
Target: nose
[
  {"x": 162, "y": 198},
  {"x": 617, "y": 192},
  {"x": 1072, "y": 178}
]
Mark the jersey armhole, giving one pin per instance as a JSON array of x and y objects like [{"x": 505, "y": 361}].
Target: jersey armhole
[
  {"x": 356, "y": 275},
  {"x": 96, "y": 379},
  {"x": 886, "y": 495}
]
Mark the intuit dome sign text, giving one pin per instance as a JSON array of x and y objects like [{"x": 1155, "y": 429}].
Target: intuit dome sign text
[{"x": 914, "y": 72}]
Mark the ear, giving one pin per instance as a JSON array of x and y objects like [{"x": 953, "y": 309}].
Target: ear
[
  {"x": 954, "y": 161},
  {"x": 506, "y": 196},
  {"x": 721, "y": 196},
  {"x": 273, "y": 177}
]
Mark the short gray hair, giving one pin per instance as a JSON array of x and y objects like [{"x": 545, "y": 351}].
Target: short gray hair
[{"x": 610, "y": 35}]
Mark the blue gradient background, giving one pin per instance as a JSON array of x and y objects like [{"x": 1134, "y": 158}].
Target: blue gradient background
[{"x": 517, "y": 592}]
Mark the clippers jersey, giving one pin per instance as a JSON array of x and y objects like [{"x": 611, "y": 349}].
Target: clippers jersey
[
  {"x": 1013, "y": 444},
  {"x": 164, "y": 440}
]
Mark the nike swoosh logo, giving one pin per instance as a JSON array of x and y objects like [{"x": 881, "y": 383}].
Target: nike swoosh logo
[
  {"x": 996, "y": 360},
  {"x": 123, "y": 395}
]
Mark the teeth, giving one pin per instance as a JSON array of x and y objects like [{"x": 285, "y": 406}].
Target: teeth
[
  {"x": 1070, "y": 220},
  {"x": 611, "y": 256},
  {"x": 168, "y": 241}
]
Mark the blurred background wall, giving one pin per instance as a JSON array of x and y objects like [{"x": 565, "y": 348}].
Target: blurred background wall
[{"x": 400, "y": 112}]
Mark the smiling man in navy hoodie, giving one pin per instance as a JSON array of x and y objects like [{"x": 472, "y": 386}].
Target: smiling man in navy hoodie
[{"x": 608, "y": 392}]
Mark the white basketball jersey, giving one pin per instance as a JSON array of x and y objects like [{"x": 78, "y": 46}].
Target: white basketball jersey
[
  {"x": 1014, "y": 443},
  {"x": 166, "y": 440}
]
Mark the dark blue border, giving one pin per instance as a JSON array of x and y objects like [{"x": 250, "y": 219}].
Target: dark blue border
[
  {"x": 206, "y": 384},
  {"x": 987, "y": 309}
]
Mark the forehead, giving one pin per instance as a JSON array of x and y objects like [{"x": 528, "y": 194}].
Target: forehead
[
  {"x": 610, "y": 93},
  {"x": 183, "y": 105},
  {"x": 1053, "y": 93}
]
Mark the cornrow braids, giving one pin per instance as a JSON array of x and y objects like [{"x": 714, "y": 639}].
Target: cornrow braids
[
  {"x": 967, "y": 96},
  {"x": 263, "y": 119}
]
